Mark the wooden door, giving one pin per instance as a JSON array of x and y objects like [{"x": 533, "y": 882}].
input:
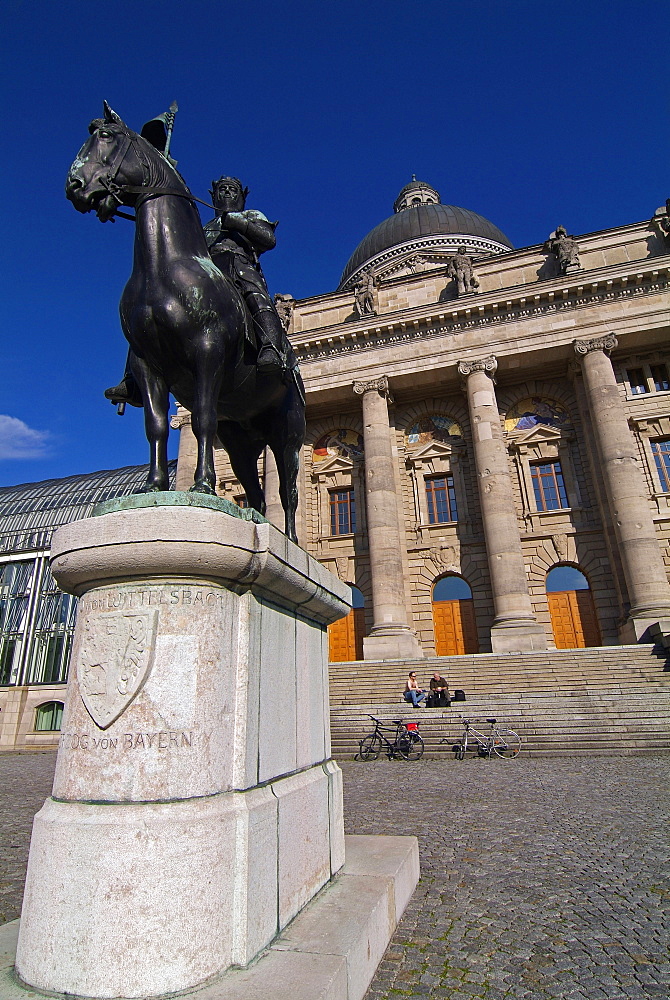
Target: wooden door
[
  {"x": 455, "y": 627},
  {"x": 345, "y": 637},
  {"x": 573, "y": 619}
]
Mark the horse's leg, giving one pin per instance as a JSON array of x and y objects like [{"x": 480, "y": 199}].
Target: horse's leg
[
  {"x": 286, "y": 444},
  {"x": 204, "y": 420},
  {"x": 156, "y": 401},
  {"x": 243, "y": 452}
]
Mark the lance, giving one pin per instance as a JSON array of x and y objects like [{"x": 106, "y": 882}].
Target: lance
[{"x": 169, "y": 125}]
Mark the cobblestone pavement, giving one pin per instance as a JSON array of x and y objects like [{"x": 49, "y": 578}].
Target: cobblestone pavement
[
  {"x": 541, "y": 879},
  {"x": 25, "y": 782}
]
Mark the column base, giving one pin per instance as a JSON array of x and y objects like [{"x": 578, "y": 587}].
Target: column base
[
  {"x": 392, "y": 642},
  {"x": 646, "y": 628},
  {"x": 518, "y": 635}
]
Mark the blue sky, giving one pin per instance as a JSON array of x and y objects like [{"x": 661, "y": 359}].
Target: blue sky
[{"x": 529, "y": 113}]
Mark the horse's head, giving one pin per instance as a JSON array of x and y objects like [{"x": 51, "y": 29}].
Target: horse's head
[{"x": 111, "y": 166}]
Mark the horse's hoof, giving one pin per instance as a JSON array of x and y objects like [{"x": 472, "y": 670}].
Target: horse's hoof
[
  {"x": 152, "y": 488},
  {"x": 203, "y": 487}
]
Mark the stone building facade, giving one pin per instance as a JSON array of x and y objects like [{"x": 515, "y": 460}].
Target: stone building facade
[{"x": 487, "y": 462}]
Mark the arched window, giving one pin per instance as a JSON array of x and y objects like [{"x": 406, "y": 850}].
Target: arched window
[
  {"x": 48, "y": 717},
  {"x": 452, "y": 588},
  {"x": 454, "y": 622},
  {"x": 573, "y": 614}
]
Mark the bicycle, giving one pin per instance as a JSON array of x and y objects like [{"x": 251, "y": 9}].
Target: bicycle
[
  {"x": 504, "y": 743},
  {"x": 407, "y": 744}
]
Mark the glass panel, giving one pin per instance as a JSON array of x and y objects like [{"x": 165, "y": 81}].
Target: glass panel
[
  {"x": 548, "y": 485},
  {"x": 48, "y": 717},
  {"x": 659, "y": 373},
  {"x": 638, "y": 383},
  {"x": 49, "y": 654},
  {"x": 661, "y": 452},
  {"x": 342, "y": 512},
  {"x": 16, "y": 580},
  {"x": 451, "y": 588},
  {"x": 441, "y": 499},
  {"x": 565, "y": 578}
]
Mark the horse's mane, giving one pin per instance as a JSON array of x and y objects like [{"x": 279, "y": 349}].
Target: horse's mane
[{"x": 161, "y": 171}]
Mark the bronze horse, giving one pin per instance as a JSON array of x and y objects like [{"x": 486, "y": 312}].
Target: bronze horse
[{"x": 187, "y": 324}]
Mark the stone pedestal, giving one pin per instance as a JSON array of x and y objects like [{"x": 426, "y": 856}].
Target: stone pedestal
[
  {"x": 391, "y": 637},
  {"x": 195, "y": 808},
  {"x": 515, "y": 628}
]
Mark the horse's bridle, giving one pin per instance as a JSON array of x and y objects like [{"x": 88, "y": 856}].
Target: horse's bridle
[{"x": 116, "y": 191}]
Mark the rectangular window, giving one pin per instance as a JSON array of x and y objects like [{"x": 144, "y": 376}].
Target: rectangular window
[
  {"x": 661, "y": 452},
  {"x": 441, "y": 499},
  {"x": 659, "y": 374},
  {"x": 637, "y": 381},
  {"x": 549, "y": 486},
  {"x": 342, "y": 512},
  {"x": 241, "y": 500}
]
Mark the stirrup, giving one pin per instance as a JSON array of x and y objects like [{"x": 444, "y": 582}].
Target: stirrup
[
  {"x": 270, "y": 360},
  {"x": 121, "y": 393}
]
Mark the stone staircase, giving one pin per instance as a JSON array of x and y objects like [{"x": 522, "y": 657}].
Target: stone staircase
[{"x": 607, "y": 699}]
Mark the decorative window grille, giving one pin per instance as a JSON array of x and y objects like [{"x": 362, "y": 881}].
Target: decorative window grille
[
  {"x": 441, "y": 499},
  {"x": 342, "y": 512},
  {"x": 661, "y": 452},
  {"x": 549, "y": 486}
]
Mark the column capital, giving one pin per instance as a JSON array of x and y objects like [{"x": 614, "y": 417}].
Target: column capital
[
  {"x": 605, "y": 344},
  {"x": 488, "y": 365},
  {"x": 380, "y": 385},
  {"x": 180, "y": 418}
]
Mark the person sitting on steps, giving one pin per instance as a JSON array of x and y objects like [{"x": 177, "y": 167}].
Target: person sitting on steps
[
  {"x": 439, "y": 692},
  {"x": 413, "y": 693}
]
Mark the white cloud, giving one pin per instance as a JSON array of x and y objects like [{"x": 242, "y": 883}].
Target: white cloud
[{"x": 17, "y": 440}]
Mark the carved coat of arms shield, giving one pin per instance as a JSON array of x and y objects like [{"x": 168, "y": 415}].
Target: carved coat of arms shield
[{"x": 115, "y": 661}]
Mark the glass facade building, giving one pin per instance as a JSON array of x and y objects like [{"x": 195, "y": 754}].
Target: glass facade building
[{"x": 36, "y": 618}]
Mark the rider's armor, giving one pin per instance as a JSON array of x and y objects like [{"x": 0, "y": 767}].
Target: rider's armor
[{"x": 235, "y": 250}]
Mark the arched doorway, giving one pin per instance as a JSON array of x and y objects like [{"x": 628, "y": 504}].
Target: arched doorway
[
  {"x": 345, "y": 637},
  {"x": 573, "y": 614},
  {"x": 454, "y": 621}
]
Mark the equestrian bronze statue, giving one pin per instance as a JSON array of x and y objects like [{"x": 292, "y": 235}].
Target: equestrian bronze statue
[{"x": 194, "y": 329}]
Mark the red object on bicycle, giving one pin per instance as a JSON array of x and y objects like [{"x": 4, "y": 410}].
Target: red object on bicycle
[{"x": 412, "y": 726}]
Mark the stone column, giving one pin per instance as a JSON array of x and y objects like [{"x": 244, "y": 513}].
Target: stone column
[
  {"x": 274, "y": 510},
  {"x": 641, "y": 559},
  {"x": 188, "y": 449},
  {"x": 515, "y": 628},
  {"x": 391, "y": 637}
]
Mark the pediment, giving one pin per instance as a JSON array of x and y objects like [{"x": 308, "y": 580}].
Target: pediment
[
  {"x": 331, "y": 466},
  {"x": 431, "y": 450},
  {"x": 539, "y": 434}
]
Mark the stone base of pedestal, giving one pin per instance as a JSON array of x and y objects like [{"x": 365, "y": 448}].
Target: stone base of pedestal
[
  {"x": 518, "y": 637},
  {"x": 195, "y": 808},
  {"x": 330, "y": 951},
  {"x": 400, "y": 644}
]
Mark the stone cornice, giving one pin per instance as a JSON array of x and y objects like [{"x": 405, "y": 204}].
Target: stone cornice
[{"x": 556, "y": 296}]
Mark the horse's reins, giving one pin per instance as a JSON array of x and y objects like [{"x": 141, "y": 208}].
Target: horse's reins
[{"x": 116, "y": 191}]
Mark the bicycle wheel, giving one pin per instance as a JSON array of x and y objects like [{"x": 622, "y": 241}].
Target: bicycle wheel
[
  {"x": 369, "y": 748},
  {"x": 506, "y": 743},
  {"x": 411, "y": 747}
]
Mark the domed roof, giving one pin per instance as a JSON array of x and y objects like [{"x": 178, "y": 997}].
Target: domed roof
[{"x": 415, "y": 222}]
